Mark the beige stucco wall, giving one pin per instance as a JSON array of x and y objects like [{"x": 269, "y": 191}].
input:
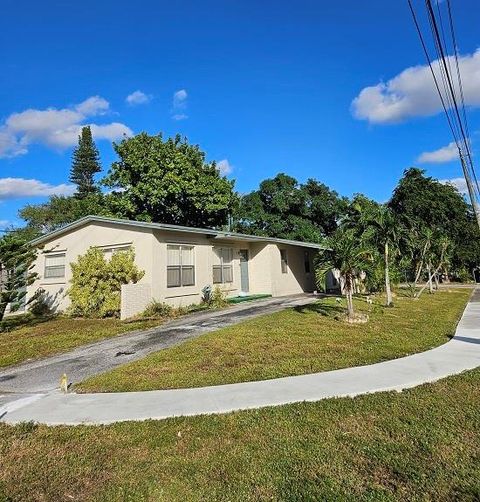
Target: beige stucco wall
[
  {"x": 295, "y": 280},
  {"x": 203, "y": 251},
  {"x": 78, "y": 242},
  {"x": 265, "y": 274},
  {"x": 260, "y": 268}
]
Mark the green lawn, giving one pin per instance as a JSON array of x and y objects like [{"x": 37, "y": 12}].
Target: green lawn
[
  {"x": 293, "y": 342},
  {"x": 422, "y": 444},
  {"x": 37, "y": 338}
]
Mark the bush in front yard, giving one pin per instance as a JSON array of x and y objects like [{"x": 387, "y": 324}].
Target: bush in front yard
[
  {"x": 158, "y": 309},
  {"x": 218, "y": 298},
  {"x": 96, "y": 282}
]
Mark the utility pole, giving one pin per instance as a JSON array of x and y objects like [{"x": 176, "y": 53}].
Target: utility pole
[{"x": 471, "y": 191}]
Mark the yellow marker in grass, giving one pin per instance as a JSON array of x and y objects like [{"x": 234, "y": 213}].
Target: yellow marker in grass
[{"x": 64, "y": 383}]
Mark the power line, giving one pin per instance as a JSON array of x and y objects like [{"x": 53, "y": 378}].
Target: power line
[
  {"x": 451, "y": 87},
  {"x": 427, "y": 55},
  {"x": 460, "y": 85},
  {"x": 457, "y": 120},
  {"x": 445, "y": 68},
  {"x": 455, "y": 53}
]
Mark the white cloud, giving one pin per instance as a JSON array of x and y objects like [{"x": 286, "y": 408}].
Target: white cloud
[
  {"x": 69, "y": 136},
  {"x": 180, "y": 98},
  {"x": 138, "y": 98},
  {"x": 179, "y": 116},
  {"x": 56, "y": 128},
  {"x": 412, "y": 93},
  {"x": 179, "y": 105},
  {"x": 9, "y": 145},
  {"x": 459, "y": 183},
  {"x": 4, "y": 224},
  {"x": 94, "y": 105},
  {"x": 224, "y": 167},
  {"x": 11, "y": 188},
  {"x": 444, "y": 154}
]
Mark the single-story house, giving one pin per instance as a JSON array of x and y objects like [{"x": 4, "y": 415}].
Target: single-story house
[{"x": 178, "y": 261}]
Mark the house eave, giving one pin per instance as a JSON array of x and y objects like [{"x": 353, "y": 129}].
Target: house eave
[{"x": 215, "y": 234}]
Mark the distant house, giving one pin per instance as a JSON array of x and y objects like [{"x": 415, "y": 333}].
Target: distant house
[{"x": 178, "y": 261}]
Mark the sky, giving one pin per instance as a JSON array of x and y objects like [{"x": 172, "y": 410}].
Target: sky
[{"x": 336, "y": 91}]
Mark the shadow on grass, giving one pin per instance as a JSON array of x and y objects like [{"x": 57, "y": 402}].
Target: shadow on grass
[
  {"x": 323, "y": 309},
  {"x": 21, "y": 321}
]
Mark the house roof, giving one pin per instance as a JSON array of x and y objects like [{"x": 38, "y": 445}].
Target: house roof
[{"x": 216, "y": 234}]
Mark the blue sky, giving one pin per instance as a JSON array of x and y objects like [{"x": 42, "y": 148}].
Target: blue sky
[{"x": 313, "y": 89}]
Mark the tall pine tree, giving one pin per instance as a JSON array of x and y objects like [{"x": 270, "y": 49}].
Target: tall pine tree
[{"x": 85, "y": 164}]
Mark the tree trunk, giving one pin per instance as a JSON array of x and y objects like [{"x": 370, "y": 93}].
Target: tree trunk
[
  {"x": 437, "y": 287},
  {"x": 349, "y": 296},
  {"x": 350, "y": 311},
  {"x": 420, "y": 264},
  {"x": 418, "y": 272},
  {"x": 387, "y": 278},
  {"x": 430, "y": 285},
  {"x": 3, "y": 307},
  {"x": 429, "y": 281}
]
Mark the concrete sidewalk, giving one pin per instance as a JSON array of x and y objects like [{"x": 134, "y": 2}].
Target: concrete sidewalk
[
  {"x": 459, "y": 354},
  {"x": 44, "y": 375}
]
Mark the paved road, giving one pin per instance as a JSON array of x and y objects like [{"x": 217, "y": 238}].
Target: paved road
[
  {"x": 459, "y": 354},
  {"x": 44, "y": 375}
]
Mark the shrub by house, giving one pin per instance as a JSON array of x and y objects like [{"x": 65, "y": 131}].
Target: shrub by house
[{"x": 96, "y": 282}]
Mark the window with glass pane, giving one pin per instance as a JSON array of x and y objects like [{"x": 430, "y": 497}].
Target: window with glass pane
[
  {"x": 188, "y": 265},
  {"x": 180, "y": 266},
  {"x": 222, "y": 265},
  {"x": 108, "y": 252},
  {"x": 54, "y": 266},
  {"x": 284, "y": 261}
]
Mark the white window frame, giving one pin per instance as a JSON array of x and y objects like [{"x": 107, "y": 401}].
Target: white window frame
[
  {"x": 223, "y": 265},
  {"x": 48, "y": 270},
  {"x": 110, "y": 250},
  {"x": 180, "y": 266}
]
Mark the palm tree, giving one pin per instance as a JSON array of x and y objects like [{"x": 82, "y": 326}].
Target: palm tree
[
  {"x": 350, "y": 257},
  {"x": 380, "y": 228}
]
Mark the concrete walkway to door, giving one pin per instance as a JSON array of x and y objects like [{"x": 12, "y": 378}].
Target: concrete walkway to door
[{"x": 459, "y": 354}]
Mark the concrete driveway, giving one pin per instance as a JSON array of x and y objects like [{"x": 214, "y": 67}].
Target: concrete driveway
[
  {"x": 44, "y": 375},
  {"x": 459, "y": 354}
]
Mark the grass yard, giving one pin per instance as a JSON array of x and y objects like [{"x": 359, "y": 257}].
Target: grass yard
[
  {"x": 422, "y": 444},
  {"x": 293, "y": 342},
  {"x": 38, "y": 338}
]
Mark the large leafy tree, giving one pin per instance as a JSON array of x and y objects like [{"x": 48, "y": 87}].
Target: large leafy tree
[
  {"x": 16, "y": 259},
  {"x": 60, "y": 210},
  {"x": 282, "y": 207},
  {"x": 85, "y": 164},
  {"x": 421, "y": 202},
  {"x": 168, "y": 181}
]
